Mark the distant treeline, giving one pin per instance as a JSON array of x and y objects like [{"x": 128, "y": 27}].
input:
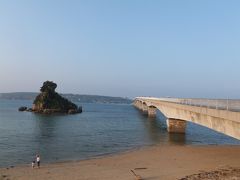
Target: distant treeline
[{"x": 71, "y": 97}]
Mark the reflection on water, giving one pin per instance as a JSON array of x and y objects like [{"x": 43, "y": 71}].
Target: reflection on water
[
  {"x": 100, "y": 129},
  {"x": 177, "y": 138}
]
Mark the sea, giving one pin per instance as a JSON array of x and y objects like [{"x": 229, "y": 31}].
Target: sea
[{"x": 102, "y": 129}]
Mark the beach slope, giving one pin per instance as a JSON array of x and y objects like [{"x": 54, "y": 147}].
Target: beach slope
[{"x": 151, "y": 163}]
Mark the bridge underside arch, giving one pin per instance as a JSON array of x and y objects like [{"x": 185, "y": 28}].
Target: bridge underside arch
[
  {"x": 152, "y": 111},
  {"x": 174, "y": 125}
]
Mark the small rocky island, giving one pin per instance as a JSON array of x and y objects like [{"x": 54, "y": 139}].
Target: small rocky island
[{"x": 50, "y": 102}]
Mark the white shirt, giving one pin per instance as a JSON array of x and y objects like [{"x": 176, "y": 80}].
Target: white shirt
[{"x": 38, "y": 159}]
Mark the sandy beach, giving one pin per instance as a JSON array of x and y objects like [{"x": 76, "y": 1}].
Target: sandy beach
[{"x": 150, "y": 163}]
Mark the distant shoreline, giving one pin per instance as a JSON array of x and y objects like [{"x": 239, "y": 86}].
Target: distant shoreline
[
  {"x": 162, "y": 162},
  {"x": 73, "y": 97}
]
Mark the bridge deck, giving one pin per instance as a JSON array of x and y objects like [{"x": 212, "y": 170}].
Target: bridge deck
[{"x": 220, "y": 104}]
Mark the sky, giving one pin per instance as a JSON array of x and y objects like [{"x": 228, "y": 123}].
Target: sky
[{"x": 122, "y": 48}]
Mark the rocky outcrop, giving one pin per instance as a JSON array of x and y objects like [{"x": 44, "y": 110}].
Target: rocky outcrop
[
  {"x": 23, "y": 108},
  {"x": 49, "y": 101}
]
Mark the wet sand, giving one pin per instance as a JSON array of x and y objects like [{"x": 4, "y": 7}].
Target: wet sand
[{"x": 150, "y": 163}]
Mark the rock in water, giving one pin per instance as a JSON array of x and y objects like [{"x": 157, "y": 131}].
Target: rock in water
[
  {"x": 23, "y": 108},
  {"x": 49, "y": 101}
]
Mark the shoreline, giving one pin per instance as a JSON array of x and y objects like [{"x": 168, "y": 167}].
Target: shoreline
[
  {"x": 150, "y": 162},
  {"x": 101, "y": 156},
  {"x": 120, "y": 153}
]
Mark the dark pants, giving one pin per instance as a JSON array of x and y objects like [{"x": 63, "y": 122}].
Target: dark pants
[{"x": 38, "y": 163}]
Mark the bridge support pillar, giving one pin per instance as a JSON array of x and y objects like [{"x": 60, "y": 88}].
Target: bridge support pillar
[
  {"x": 152, "y": 111},
  {"x": 144, "y": 108},
  {"x": 176, "y": 125}
]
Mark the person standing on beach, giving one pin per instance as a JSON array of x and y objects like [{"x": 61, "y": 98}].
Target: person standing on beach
[
  {"x": 38, "y": 160},
  {"x": 33, "y": 163}
]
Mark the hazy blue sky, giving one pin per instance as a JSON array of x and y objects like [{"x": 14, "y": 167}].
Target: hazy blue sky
[{"x": 122, "y": 48}]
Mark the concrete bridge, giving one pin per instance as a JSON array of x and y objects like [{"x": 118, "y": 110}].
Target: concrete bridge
[{"x": 220, "y": 115}]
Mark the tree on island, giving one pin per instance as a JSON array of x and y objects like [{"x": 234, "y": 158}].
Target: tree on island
[{"x": 49, "y": 101}]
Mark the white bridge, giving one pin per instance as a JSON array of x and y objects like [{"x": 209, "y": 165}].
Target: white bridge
[{"x": 220, "y": 115}]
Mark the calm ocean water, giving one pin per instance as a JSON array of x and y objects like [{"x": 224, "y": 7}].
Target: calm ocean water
[{"x": 101, "y": 129}]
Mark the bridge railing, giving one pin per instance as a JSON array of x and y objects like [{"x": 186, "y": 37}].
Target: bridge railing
[{"x": 220, "y": 104}]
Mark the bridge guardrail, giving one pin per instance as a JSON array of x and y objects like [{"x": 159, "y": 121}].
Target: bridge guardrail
[{"x": 220, "y": 104}]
